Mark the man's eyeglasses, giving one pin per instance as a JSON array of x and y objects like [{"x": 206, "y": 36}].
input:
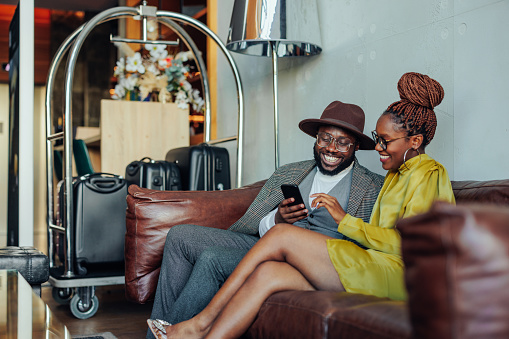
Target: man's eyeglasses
[
  {"x": 382, "y": 142},
  {"x": 324, "y": 140}
]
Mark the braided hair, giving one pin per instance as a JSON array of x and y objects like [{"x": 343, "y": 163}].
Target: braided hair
[{"x": 414, "y": 112}]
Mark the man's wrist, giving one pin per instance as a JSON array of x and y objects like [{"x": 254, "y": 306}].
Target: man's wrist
[{"x": 278, "y": 218}]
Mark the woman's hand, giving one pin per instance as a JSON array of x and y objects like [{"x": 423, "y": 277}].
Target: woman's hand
[
  {"x": 331, "y": 204},
  {"x": 290, "y": 214}
]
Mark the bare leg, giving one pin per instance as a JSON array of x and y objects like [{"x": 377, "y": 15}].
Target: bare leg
[
  {"x": 268, "y": 278},
  {"x": 304, "y": 250}
]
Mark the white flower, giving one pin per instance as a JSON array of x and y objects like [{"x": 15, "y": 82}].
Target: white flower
[
  {"x": 196, "y": 94},
  {"x": 184, "y": 56},
  {"x": 135, "y": 64},
  {"x": 156, "y": 51},
  {"x": 119, "y": 92},
  {"x": 153, "y": 69},
  {"x": 163, "y": 63},
  {"x": 185, "y": 84},
  {"x": 120, "y": 69},
  {"x": 198, "y": 104},
  {"x": 181, "y": 100},
  {"x": 181, "y": 95},
  {"x": 129, "y": 82},
  {"x": 152, "y": 29}
]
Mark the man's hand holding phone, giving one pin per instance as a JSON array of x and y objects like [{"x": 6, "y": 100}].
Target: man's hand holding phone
[{"x": 292, "y": 208}]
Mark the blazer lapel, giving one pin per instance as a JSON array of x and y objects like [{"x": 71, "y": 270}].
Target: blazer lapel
[{"x": 358, "y": 189}]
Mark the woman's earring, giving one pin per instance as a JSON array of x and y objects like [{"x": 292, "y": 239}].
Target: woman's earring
[{"x": 404, "y": 156}]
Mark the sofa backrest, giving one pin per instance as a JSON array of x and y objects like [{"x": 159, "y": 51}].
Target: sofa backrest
[{"x": 493, "y": 191}]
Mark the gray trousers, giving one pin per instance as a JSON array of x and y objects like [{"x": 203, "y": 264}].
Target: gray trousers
[{"x": 196, "y": 262}]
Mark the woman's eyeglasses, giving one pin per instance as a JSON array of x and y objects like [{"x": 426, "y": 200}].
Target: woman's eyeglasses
[
  {"x": 382, "y": 142},
  {"x": 324, "y": 140}
]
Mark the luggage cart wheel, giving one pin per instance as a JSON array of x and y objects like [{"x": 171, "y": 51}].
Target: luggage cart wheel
[
  {"x": 82, "y": 308},
  {"x": 62, "y": 295}
]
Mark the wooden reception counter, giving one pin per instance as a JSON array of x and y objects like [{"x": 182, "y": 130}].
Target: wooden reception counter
[{"x": 132, "y": 130}]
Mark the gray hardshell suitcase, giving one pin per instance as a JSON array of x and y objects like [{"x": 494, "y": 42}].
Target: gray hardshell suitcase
[
  {"x": 157, "y": 175},
  {"x": 202, "y": 167}
]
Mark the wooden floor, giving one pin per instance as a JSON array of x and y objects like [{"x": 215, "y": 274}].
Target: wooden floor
[{"x": 123, "y": 318}]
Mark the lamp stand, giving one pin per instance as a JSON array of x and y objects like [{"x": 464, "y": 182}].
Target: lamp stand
[{"x": 273, "y": 46}]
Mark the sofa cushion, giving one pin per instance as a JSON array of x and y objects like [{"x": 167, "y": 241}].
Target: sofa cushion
[
  {"x": 457, "y": 271},
  {"x": 321, "y": 314},
  {"x": 151, "y": 213}
]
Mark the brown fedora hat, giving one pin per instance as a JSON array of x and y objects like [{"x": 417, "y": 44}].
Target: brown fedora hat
[{"x": 347, "y": 116}]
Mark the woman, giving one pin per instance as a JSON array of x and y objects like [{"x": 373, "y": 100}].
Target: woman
[{"x": 298, "y": 259}]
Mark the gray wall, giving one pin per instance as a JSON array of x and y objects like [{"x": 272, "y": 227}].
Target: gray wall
[{"x": 367, "y": 46}]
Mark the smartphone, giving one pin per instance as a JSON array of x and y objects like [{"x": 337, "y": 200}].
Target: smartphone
[{"x": 292, "y": 191}]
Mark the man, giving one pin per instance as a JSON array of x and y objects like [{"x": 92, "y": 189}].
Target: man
[{"x": 197, "y": 260}]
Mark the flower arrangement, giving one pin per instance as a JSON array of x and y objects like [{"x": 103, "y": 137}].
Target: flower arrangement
[{"x": 154, "y": 75}]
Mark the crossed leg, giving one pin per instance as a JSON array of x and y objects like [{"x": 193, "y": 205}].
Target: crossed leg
[
  {"x": 183, "y": 249},
  {"x": 286, "y": 258}
]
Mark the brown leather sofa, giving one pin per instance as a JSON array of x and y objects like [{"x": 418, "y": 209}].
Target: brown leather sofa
[{"x": 456, "y": 258}]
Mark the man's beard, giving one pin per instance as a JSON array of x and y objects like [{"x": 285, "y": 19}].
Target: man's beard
[{"x": 342, "y": 165}]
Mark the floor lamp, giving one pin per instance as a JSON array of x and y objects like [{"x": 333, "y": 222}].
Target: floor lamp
[{"x": 274, "y": 28}]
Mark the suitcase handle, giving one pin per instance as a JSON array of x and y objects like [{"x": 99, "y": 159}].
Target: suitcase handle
[
  {"x": 134, "y": 166},
  {"x": 98, "y": 182}
]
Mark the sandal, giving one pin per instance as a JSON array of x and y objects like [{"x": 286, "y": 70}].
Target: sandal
[{"x": 158, "y": 327}]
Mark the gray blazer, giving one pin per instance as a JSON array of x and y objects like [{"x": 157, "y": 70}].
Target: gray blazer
[{"x": 363, "y": 193}]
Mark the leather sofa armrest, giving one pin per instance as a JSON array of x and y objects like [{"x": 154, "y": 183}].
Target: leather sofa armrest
[
  {"x": 149, "y": 216},
  {"x": 457, "y": 272}
]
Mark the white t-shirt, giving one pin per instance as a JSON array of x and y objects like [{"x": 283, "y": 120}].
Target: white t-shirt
[{"x": 321, "y": 184}]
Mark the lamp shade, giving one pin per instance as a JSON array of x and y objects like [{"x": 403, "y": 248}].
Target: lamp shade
[{"x": 292, "y": 25}]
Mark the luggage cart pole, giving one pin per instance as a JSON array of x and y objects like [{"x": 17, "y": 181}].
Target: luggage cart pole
[
  {"x": 50, "y": 138},
  {"x": 68, "y": 85},
  {"x": 240, "y": 93}
]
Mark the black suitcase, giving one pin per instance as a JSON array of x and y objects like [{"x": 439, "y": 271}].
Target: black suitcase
[
  {"x": 99, "y": 209},
  {"x": 202, "y": 167},
  {"x": 157, "y": 175}
]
